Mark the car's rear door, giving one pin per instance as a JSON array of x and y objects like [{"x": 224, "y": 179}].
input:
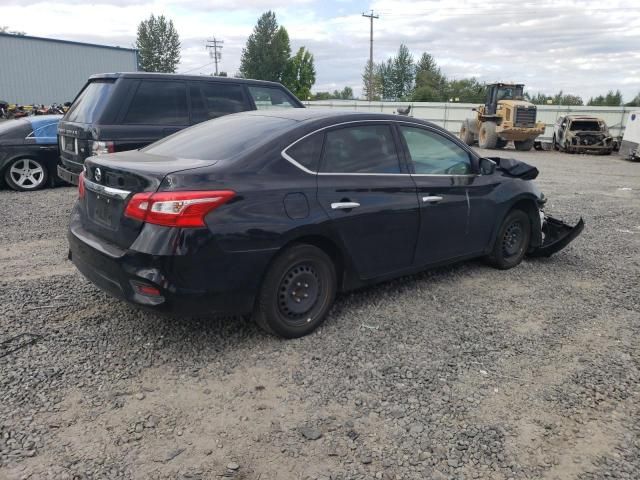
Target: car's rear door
[
  {"x": 369, "y": 196},
  {"x": 447, "y": 188}
]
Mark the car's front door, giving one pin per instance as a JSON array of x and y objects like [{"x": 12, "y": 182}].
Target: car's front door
[
  {"x": 447, "y": 189},
  {"x": 369, "y": 196}
]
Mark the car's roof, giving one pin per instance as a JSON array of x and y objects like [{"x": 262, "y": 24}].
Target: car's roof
[
  {"x": 178, "y": 76},
  {"x": 583, "y": 117}
]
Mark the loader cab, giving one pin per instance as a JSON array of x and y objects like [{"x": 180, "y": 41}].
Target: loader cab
[{"x": 502, "y": 91}]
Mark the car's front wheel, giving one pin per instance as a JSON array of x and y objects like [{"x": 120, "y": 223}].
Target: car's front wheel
[
  {"x": 26, "y": 174},
  {"x": 297, "y": 292},
  {"x": 512, "y": 240}
]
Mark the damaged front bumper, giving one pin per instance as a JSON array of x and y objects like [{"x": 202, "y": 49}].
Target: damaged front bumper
[{"x": 555, "y": 235}]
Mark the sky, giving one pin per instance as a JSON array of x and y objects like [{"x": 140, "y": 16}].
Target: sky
[{"x": 580, "y": 47}]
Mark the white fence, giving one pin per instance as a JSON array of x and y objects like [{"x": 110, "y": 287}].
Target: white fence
[{"x": 451, "y": 115}]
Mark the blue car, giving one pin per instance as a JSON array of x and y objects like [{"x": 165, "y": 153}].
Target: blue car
[{"x": 29, "y": 151}]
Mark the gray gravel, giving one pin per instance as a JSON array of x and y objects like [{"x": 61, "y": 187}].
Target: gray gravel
[{"x": 462, "y": 372}]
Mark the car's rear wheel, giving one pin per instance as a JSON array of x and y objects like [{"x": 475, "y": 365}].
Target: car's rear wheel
[
  {"x": 297, "y": 292},
  {"x": 26, "y": 174},
  {"x": 512, "y": 240}
]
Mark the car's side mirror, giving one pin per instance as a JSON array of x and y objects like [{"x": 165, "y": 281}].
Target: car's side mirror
[{"x": 487, "y": 166}]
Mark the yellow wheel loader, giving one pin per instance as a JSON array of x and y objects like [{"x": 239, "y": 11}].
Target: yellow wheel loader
[{"x": 506, "y": 116}]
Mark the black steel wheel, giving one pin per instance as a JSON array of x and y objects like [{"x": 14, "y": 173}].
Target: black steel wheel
[
  {"x": 512, "y": 240},
  {"x": 297, "y": 292}
]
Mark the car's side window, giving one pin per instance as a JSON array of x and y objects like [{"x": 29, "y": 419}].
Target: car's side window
[
  {"x": 434, "y": 154},
  {"x": 360, "y": 149},
  {"x": 268, "y": 98},
  {"x": 159, "y": 103},
  {"x": 222, "y": 99},
  {"x": 47, "y": 131},
  {"x": 307, "y": 151}
]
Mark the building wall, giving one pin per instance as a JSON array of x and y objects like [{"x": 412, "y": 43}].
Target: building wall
[
  {"x": 451, "y": 115},
  {"x": 45, "y": 71}
]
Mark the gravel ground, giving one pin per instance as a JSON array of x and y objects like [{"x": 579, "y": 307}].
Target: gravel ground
[{"x": 462, "y": 372}]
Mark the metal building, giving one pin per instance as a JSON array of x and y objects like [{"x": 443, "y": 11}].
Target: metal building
[{"x": 46, "y": 70}]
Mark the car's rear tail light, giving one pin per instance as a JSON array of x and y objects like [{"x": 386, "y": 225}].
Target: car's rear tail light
[
  {"x": 176, "y": 209},
  {"x": 81, "y": 185},
  {"x": 100, "y": 148},
  {"x": 145, "y": 289}
]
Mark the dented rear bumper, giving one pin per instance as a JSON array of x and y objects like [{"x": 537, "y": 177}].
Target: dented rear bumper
[{"x": 555, "y": 236}]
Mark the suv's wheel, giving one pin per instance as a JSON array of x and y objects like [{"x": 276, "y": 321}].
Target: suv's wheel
[
  {"x": 501, "y": 143},
  {"x": 512, "y": 241},
  {"x": 297, "y": 292},
  {"x": 487, "y": 136},
  {"x": 523, "y": 145},
  {"x": 26, "y": 174}
]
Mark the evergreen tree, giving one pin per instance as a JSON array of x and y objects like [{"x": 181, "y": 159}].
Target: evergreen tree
[
  {"x": 300, "y": 74},
  {"x": 611, "y": 99},
  {"x": 158, "y": 45},
  {"x": 402, "y": 73},
  {"x": 266, "y": 54}
]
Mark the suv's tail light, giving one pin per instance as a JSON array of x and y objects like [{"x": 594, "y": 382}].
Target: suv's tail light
[
  {"x": 100, "y": 148},
  {"x": 176, "y": 209},
  {"x": 81, "y": 185}
]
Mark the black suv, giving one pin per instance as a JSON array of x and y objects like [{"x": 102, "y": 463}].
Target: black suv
[{"x": 125, "y": 111}]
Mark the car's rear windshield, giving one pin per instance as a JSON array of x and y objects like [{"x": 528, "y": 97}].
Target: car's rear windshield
[
  {"x": 222, "y": 138},
  {"x": 585, "y": 125},
  {"x": 91, "y": 101}
]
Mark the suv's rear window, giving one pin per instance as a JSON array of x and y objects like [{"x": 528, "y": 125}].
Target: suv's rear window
[
  {"x": 159, "y": 103},
  {"x": 91, "y": 101},
  {"x": 221, "y": 138}
]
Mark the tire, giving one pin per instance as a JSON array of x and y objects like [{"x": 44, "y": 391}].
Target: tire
[
  {"x": 556, "y": 145},
  {"x": 297, "y": 292},
  {"x": 523, "y": 145},
  {"x": 487, "y": 136},
  {"x": 465, "y": 133},
  {"x": 26, "y": 174},
  {"x": 508, "y": 251},
  {"x": 501, "y": 143}
]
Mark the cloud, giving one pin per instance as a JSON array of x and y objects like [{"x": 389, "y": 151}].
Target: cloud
[{"x": 580, "y": 47}]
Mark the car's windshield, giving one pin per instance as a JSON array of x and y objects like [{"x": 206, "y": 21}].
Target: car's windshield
[
  {"x": 585, "y": 125},
  {"x": 220, "y": 138},
  {"x": 90, "y": 103}
]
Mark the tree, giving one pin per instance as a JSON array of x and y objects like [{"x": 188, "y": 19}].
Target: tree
[
  {"x": 383, "y": 78},
  {"x": 370, "y": 71},
  {"x": 346, "y": 93},
  {"x": 402, "y": 73},
  {"x": 611, "y": 99},
  {"x": 158, "y": 45},
  {"x": 430, "y": 83},
  {"x": 5, "y": 29},
  {"x": 635, "y": 102},
  {"x": 300, "y": 74},
  {"x": 466, "y": 90},
  {"x": 266, "y": 54},
  {"x": 559, "y": 98}
]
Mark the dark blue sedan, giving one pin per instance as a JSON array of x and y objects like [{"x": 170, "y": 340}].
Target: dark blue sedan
[
  {"x": 274, "y": 213},
  {"x": 29, "y": 151}
]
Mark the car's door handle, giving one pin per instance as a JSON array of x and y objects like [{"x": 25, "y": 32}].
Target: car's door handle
[
  {"x": 431, "y": 199},
  {"x": 344, "y": 205}
]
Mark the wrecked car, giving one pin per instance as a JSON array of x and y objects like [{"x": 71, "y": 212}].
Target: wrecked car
[
  {"x": 582, "y": 134},
  {"x": 273, "y": 213}
]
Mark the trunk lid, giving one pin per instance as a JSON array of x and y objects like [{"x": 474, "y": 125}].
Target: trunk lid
[{"x": 111, "y": 180}]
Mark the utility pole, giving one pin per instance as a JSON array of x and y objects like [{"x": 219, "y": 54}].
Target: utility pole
[
  {"x": 213, "y": 45},
  {"x": 370, "y": 16}
]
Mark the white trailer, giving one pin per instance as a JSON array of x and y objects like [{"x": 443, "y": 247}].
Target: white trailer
[{"x": 630, "y": 146}]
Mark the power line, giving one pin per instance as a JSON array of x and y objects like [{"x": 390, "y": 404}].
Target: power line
[
  {"x": 197, "y": 68},
  {"x": 213, "y": 45},
  {"x": 370, "y": 16}
]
